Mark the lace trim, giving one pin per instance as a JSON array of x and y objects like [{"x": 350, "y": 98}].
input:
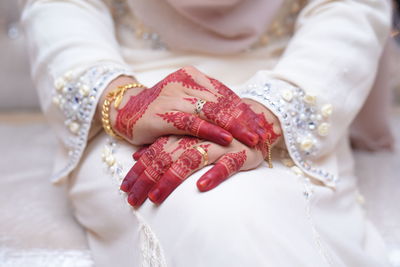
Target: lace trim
[
  {"x": 303, "y": 124},
  {"x": 151, "y": 250},
  {"x": 45, "y": 258},
  {"x": 76, "y": 95}
]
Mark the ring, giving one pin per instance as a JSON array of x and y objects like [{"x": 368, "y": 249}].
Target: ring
[
  {"x": 203, "y": 153},
  {"x": 199, "y": 106}
]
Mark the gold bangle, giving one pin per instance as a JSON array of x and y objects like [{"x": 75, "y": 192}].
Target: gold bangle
[
  {"x": 116, "y": 96},
  {"x": 268, "y": 158}
]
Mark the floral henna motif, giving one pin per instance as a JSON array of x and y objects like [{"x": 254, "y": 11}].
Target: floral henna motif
[
  {"x": 233, "y": 162},
  {"x": 185, "y": 143},
  {"x": 137, "y": 105},
  {"x": 226, "y": 166},
  {"x": 134, "y": 110},
  {"x": 183, "y": 121}
]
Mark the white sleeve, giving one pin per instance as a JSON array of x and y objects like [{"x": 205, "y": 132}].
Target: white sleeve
[
  {"x": 323, "y": 78},
  {"x": 74, "y": 56}
]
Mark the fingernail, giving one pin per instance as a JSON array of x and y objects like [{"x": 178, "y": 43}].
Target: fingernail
[
  {"x": 253, "y": 138},
  {"x": 226, "y": 138},
  {"x": 135, "y": 156},
  {"x": 203, "y": 184},
  {"x": 155, "y": 195},
  {"x": 132, "y": 200},
  {"x": 125, "y": 186}
]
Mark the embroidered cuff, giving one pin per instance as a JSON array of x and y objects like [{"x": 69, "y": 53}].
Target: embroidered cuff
[
  {"x": 76, "y": 94},
  {"x": 304, "y": 122}
]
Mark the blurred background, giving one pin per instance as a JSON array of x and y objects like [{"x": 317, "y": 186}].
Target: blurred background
[{"x": 36, "y": 220}]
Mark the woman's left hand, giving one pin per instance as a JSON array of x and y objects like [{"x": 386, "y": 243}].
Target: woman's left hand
[{"x": 163, "y": 166}]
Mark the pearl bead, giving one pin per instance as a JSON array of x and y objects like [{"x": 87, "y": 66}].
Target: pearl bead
[
  {"x": 73, "y": 127},
  {"x": 309, "y": 99},
  {"x": 68, "y": 75},
  {"x": 287, "y": 162},
  {"x": 306, "y": 144},
  {"x": 84, "y": 90},
  {"x": 59, "y": 84},
  {"x": 297, "y": 170},
  {"x": 327, "y": 110},
  {"x": 110, "y": 160},
  {"x": 287, "y": 95},
  {"x": 56, "y": 101},
  {"x": 323, "y": 129}
]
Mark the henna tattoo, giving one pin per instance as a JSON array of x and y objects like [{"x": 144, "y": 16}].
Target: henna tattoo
[
  {"x": 137, "y": 105},
  {"x": 134, "y": 110},
  {"x": 233, "y": 162},
  {"x": 183, "y": 121},
  {"x": 185, "y": 143},
  {"x": 191, "y": 100},
  {"x": 188, "y": 162}
]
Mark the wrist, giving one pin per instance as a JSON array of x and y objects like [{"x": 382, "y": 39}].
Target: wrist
[{"x": 106, "y": 111}]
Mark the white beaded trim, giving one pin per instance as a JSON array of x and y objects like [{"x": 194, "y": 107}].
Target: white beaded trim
[
  {"x": 303, "y": 126},
  {"x": 76, "y": 95}
]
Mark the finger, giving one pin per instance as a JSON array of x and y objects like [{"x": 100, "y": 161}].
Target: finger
[
  {"x": 140, "y": 152},
  {"x": 140, "y": 189},
  {"x": 163, "y": 157},
  {"x": 225, "y": 112},
  {"x": 143, "y": 163},
  {"x": 225, "y": 167},
  {"x": 192, "y": 125},
  {"x": 190, "y": 161}
]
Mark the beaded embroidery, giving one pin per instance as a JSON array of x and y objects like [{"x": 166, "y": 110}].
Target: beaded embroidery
[
  {"x": 76, "y": 95},
  {"x": 303, "y": 124}
]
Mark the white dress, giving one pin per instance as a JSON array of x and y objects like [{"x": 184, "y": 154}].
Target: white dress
[{"x": 303, "y": 212}]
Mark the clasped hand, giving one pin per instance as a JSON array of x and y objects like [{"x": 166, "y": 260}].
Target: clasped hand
[{"x": 226, "y": 131}]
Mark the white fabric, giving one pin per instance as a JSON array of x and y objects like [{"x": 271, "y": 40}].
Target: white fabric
[{"x": 333, "y": 55}]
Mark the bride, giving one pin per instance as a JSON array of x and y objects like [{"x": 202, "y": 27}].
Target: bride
[{"x": 236, "y": 114}]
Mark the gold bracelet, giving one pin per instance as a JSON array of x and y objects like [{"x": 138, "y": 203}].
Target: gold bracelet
[
  {"x": 116, "y": 96},
  {"x": 268, "y": 158}
]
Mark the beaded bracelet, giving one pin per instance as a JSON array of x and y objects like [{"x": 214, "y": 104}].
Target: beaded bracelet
[{"x": 116, "y": 96}]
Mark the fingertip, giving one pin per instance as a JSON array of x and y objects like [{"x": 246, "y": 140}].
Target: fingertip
[
  {"x": 225, "y": 138},
  {"x": 155, "y": 195},
  {"x": 132, "y": 200},
  {"x": 125, "y": 186},
  {"x": 251, "y": 138},
  {"x": 136, "y": 156},
  {"x": 203, "y": 184}
]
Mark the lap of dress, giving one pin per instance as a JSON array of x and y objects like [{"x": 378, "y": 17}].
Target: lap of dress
[{"x": 261, "y": 217}]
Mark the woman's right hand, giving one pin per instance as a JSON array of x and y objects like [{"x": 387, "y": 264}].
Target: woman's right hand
[{"x": 169, "y": 108}]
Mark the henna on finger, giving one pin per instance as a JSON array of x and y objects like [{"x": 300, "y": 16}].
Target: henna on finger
[
  {"x": 144, "y": 161},
  {"x": 225, "y": 167},
  {"x": 190, "y": 161},
  {"x": 194, "y": 125},
  {"x": 136, "y": 156},
  {"x": 150, "y": 176},
  {"x": 157, "y": 159},
  {"x": 137, "y": 105}
]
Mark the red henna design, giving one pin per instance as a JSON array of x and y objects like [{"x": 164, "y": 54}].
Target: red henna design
[
  {"x": 233, "y": 162},
  {"x": 225, "y": 167},
  {"x": 188, "y": 162},
  {"x": 183, "y": 121},
  {"x": 134, "y": 110},
  {"x": 191, "y": 100},
  {"x": 185, "y": 143},
  {"x": 144, "y": 161},
  {"x": 137, "y": 105},
  {"x": 197, "y": 127}
]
